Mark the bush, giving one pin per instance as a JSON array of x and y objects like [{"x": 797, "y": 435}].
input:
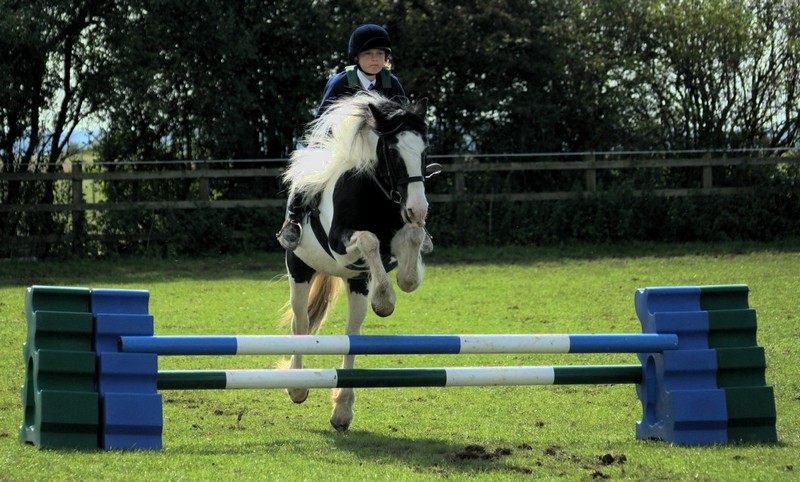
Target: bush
[{"x": 620, "y": 216}]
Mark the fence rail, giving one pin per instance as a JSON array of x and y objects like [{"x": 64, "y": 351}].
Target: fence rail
[{"x": 459, "y": 169}]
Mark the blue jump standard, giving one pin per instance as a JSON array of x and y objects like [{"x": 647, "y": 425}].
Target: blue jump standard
[{"x": 397, "y": 344}]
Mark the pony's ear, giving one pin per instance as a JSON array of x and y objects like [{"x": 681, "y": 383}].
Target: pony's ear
[
  {"x": 421, "y": 107},
  {"x": 377, "y": 116}
]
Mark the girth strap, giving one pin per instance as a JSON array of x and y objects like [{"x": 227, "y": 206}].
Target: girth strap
[{"x": 319, "y": 231}]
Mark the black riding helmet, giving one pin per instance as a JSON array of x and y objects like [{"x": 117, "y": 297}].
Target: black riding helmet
[{"x": 369, "y": 36}]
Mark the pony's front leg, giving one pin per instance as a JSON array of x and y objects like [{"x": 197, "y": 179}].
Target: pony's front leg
[
  {"x": 380, "y": 288},
  {"x": 344, "y": 398},
  {"x": 300, "y": 326},
  {"x": 406, "y": 245}
]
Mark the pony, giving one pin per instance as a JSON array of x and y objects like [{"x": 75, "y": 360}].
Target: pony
[{"x": 362, "y": 180}]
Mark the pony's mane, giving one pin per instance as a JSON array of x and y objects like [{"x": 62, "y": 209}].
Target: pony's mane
[{"x": 340, "y": 140}]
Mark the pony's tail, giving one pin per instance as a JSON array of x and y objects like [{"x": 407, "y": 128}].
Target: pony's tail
[
  {"x": 324, "y": 291},
  {"x": 321, "y": 298}
]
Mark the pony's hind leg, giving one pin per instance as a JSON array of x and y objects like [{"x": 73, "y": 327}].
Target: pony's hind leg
[
  {"x": 300, "y": 326},
  {"x": 311, "y": 297},
  {"x": 344, "y": 398},
  {"x": 380, "y": 286},
  {"x": 406, "y": 245}
]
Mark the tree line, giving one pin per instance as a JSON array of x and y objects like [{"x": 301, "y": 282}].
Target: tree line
[{"x": 211, "y": 79}]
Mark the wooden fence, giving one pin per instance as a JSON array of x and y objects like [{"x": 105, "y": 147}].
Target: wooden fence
[{"x": 457, "y": 168}]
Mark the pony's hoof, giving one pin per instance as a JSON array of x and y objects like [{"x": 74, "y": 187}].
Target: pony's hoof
[
  {"x": 298, "y": 395},
  {"x": 407, "y": 286},
  {"x": 383, "y": 299},
  {"x": 340, "y": 427},
  {"x": 383, "y": 311}
]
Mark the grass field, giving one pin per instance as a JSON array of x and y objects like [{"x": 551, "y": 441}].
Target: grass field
[{"x": 488, "y": 433}]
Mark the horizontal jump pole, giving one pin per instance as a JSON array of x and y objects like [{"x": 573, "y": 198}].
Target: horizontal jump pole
[
  {"x": 397, "y": 344},
  {"x": 397, "y": 377}
]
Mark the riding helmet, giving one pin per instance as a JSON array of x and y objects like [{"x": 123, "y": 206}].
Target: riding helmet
[{"x": 368, "y": 36}]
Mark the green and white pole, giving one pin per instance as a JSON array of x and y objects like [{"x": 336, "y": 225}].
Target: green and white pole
[{"x": 398, "y": 377}]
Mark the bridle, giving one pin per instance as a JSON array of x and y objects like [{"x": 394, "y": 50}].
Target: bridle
[{"x": 388, "y": 180}]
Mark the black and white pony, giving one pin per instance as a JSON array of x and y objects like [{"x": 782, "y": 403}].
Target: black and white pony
[{"x": 362, "y": 176}]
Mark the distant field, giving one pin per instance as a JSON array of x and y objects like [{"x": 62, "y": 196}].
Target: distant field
[{"x": 486, "y": 433}]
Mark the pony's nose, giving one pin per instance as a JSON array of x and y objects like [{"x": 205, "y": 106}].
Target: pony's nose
[
  {"x": 416, "y": 206},
  {"x": 415, "y": 216}
]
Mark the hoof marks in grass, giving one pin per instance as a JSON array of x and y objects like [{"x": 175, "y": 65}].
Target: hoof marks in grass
[
  {"x": 609, "y": 459},
  {"x": 475, "y": 451},
  {"x": 553, "y": 450}
]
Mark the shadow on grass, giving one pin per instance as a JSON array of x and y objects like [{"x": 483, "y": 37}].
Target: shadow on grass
[
  {"x": 139, "y": 272},
  {"x": 270, "y": 266},
  {"x": 426, "y": 455},
  {"x": 498, "y": 255},
  {"x": 419, "y": 454}
]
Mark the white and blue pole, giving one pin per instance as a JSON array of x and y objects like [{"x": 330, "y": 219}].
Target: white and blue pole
[{"x": 397, "y": 344}]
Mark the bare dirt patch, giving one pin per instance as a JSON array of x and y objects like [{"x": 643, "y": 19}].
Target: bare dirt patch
[{"x": 479, "y": 452}]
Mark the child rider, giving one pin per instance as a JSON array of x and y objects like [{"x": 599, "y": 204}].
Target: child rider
[{"x": 370, "y": 48}]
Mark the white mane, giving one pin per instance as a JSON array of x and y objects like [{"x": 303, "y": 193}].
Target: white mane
[{"x": 336, "y": 142}]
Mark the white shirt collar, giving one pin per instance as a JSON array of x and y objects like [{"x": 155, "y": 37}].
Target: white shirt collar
[{"x": 365, "y": 82}]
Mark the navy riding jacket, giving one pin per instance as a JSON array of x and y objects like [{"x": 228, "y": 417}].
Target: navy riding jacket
[{"x": 337, "y": 87}]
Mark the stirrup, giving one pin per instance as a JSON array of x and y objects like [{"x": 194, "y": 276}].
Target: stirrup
[
  {"x": 427, "y": 244},
  {"x": 291, "y": 241}
]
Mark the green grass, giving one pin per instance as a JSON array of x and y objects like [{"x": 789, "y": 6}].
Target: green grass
[{"x": 488, "y": 433}]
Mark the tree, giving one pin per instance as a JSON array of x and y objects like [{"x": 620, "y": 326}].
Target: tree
[
  {"x": 49, "y": 72},
  {"x": 205, "y": 79},
  {"x": 597, "y": 82},
  {"x": 723, "y": 74}
]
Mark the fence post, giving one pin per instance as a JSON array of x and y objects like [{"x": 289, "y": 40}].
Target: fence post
[
  {"x": 590, "y": 174},
  {"x": 708, "y": 181},
  {"x": 78, "y": 214},
  {"x": 203, "y": 189},
  {"x": 459, "y": 187}
]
